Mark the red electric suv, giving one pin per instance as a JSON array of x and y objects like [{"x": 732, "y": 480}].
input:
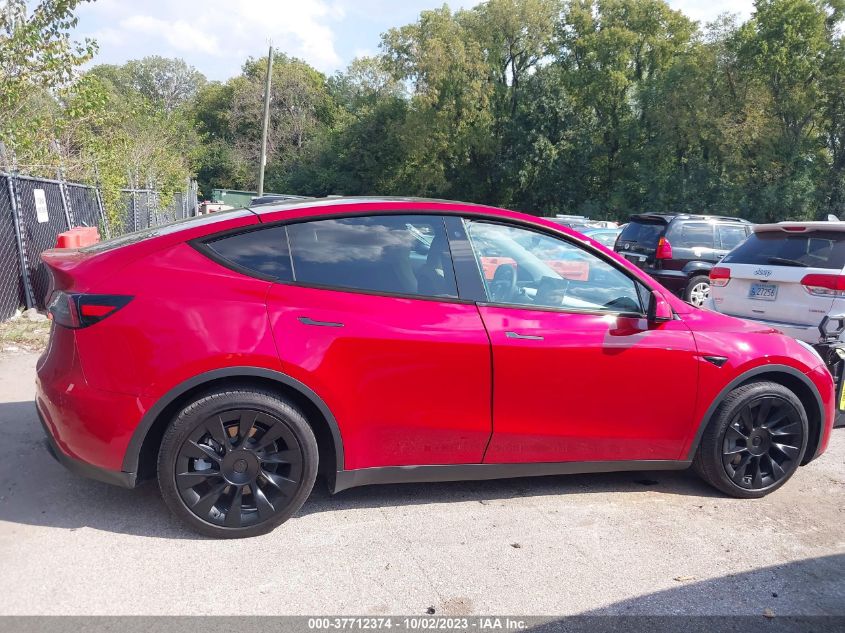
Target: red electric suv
[{"x": 235, "y": 356}]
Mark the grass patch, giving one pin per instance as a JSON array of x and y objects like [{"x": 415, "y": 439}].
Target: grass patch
[{"x": 21, "y": 334}]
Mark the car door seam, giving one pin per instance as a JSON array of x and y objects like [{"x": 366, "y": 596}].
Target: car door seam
[{"x": 492, "y": 383}]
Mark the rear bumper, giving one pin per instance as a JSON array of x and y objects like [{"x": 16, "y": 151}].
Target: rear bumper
[
  {"x": 116, "y": 478},
  {"x": 88, "y": 429}
]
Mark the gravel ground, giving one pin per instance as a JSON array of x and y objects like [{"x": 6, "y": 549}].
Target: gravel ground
[{"x": 643, "y": 543}]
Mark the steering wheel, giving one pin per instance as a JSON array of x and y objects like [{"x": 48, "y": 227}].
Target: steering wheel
[{"x": 503, "y": 285}]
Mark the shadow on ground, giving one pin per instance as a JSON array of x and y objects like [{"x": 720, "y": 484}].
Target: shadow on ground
[
  {"x": 805, "y": 595},
  {"x": 36, "y": 490}
]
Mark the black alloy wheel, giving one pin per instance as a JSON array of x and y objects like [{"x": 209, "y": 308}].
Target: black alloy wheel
[
  {"x": 237, "y": 463},
  {"x": 237, "y": 466},
  {"x": 762, "y": 443},
  {"x": 755, "y": 440}
]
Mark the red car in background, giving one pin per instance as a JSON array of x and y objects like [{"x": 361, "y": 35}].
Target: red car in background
[{"x": 237, "y": 355}]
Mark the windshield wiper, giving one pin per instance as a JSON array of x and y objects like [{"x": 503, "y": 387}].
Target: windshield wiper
[{"x": 786, "y": 262}]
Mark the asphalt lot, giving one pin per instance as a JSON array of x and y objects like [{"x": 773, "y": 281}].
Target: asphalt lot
[{"x": 643, "y": 543}]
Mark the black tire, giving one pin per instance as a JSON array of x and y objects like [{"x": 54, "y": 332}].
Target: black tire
[
  {"x": 754, "y": 442},
  {"x": 691, "y": 292},
  {"x": 245, "y": 460}
]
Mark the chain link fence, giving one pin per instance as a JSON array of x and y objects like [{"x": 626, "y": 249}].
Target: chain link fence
[
  {"x": 42, "y": 215},
  {"x": 85, "y": 207},
  {"x": 145, "y": 208},
  {"x": 11, "y": 280},
  {"x": 33, "y": 211}
]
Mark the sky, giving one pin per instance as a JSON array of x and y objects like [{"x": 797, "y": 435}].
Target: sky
[{"x": 216, "y": 36}]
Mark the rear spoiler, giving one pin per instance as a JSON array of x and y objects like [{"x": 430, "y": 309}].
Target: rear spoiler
[
  {"x": 799, "y": 227},
  {"x": 649, "y": 217}
]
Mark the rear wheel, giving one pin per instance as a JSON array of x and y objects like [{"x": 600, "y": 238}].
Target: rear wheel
[
  {"x": 237, "y": 463},
  {"x": 698, "y": 290},
  {"x": 754, "y": 442}
]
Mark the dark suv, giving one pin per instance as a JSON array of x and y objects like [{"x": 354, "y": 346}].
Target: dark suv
[{"x": 680, "y": 250}]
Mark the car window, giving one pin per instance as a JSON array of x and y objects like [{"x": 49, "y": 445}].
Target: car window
[
  {"x": 816, "y": 249},
  {"x": 523, "y": 267},
  {"x": 691, "y": 235},
  {"x": 606, "y": 238},
  {"x": 731, "y": 236},
  {"x": 402, "y": 254},
  {"x": 263, "y": 251},
  {"x": 645, "y": 234}
]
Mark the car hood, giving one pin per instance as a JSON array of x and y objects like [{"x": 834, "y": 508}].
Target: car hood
[{"x": 703, "y": 320}]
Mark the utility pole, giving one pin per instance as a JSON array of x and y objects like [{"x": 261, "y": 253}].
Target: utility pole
[{"x": 266, "y": 123}]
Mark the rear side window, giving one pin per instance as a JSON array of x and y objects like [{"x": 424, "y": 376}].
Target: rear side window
[
  {"x": 263, "y": 251},
  {"x": 730, "y": 236},
  {"x": 816, "y": 249},
  {"x": 691, "y": 235},
  {"x": 397, "y": 254},
  {"x": 643, "y": 233}
]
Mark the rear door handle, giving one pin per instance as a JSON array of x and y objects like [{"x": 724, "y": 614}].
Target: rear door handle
[
  {"x": 310, "y": 321},
  {"x": 525, "y": 337}
]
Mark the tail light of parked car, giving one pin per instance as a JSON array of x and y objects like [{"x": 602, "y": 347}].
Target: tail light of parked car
[
  {"x": 824, "y": 285},
  {"x": 81, "y": 310},
  {"x": 664, "y": 249},
  {"x": 720, "y": 276}
]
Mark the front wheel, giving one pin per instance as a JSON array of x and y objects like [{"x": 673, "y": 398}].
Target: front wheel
[
  {"x": 237, "y": 463},
  {"x": 754, "y": 442},
  {"x": 698, "y": 290}
]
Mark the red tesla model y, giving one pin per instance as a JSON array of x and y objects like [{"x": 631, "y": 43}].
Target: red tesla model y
[{"x": 235, "y": 356}]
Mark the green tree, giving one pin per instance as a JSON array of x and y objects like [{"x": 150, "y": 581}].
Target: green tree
[
  {"x": 166, "y": 82},
  {"x": 37, "y": 55},
  {"x": 610, "y": 50}
]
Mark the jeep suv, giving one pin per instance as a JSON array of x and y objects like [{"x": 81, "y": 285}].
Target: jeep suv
[
  {"x": 787, "y": 276},
  {"x": 681, "y": 250}
]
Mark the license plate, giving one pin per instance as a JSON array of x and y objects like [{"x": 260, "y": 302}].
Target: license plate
[
  {"x": 637, "y": 259},
  {"x": 765, "y": 292}
]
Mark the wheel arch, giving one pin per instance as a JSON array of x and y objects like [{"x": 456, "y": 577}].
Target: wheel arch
[
  {"x": 142, "y": 453},
  {"x": 697, "y": 267},
  {"x": 792, "y": 379}
]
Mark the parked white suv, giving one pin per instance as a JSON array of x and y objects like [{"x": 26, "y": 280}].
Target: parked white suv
[{"x": 789, "y": 276}]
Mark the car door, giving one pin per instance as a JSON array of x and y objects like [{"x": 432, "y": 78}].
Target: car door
[
  {"x": 371, "y": 321},
  {"x": 579, "y": 372}
]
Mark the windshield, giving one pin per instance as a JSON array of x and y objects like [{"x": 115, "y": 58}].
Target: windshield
[{"x": 816, "y": 249}]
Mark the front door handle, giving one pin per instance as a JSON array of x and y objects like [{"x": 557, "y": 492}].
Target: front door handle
[
  {"x": 525, "y": 337},
  {"x": 310, "y": 321}
]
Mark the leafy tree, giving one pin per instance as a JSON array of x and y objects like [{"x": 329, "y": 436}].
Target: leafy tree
[
  {"x": 36, "y": 56},
  {"x": 604, "y": 107},
  {"x": 609, "y": 51},
  {"x": 166, "y": 82}
]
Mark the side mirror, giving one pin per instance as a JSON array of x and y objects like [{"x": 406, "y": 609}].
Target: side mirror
[{"x": 659, "y": 309}]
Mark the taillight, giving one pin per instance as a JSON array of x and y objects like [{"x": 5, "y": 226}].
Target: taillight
[
  {"x": 664, "y": 249},
  {"x": 720, "y": 276},
  {"x": 81, "y": 310},
  {"x": 824, "y": 285}
]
